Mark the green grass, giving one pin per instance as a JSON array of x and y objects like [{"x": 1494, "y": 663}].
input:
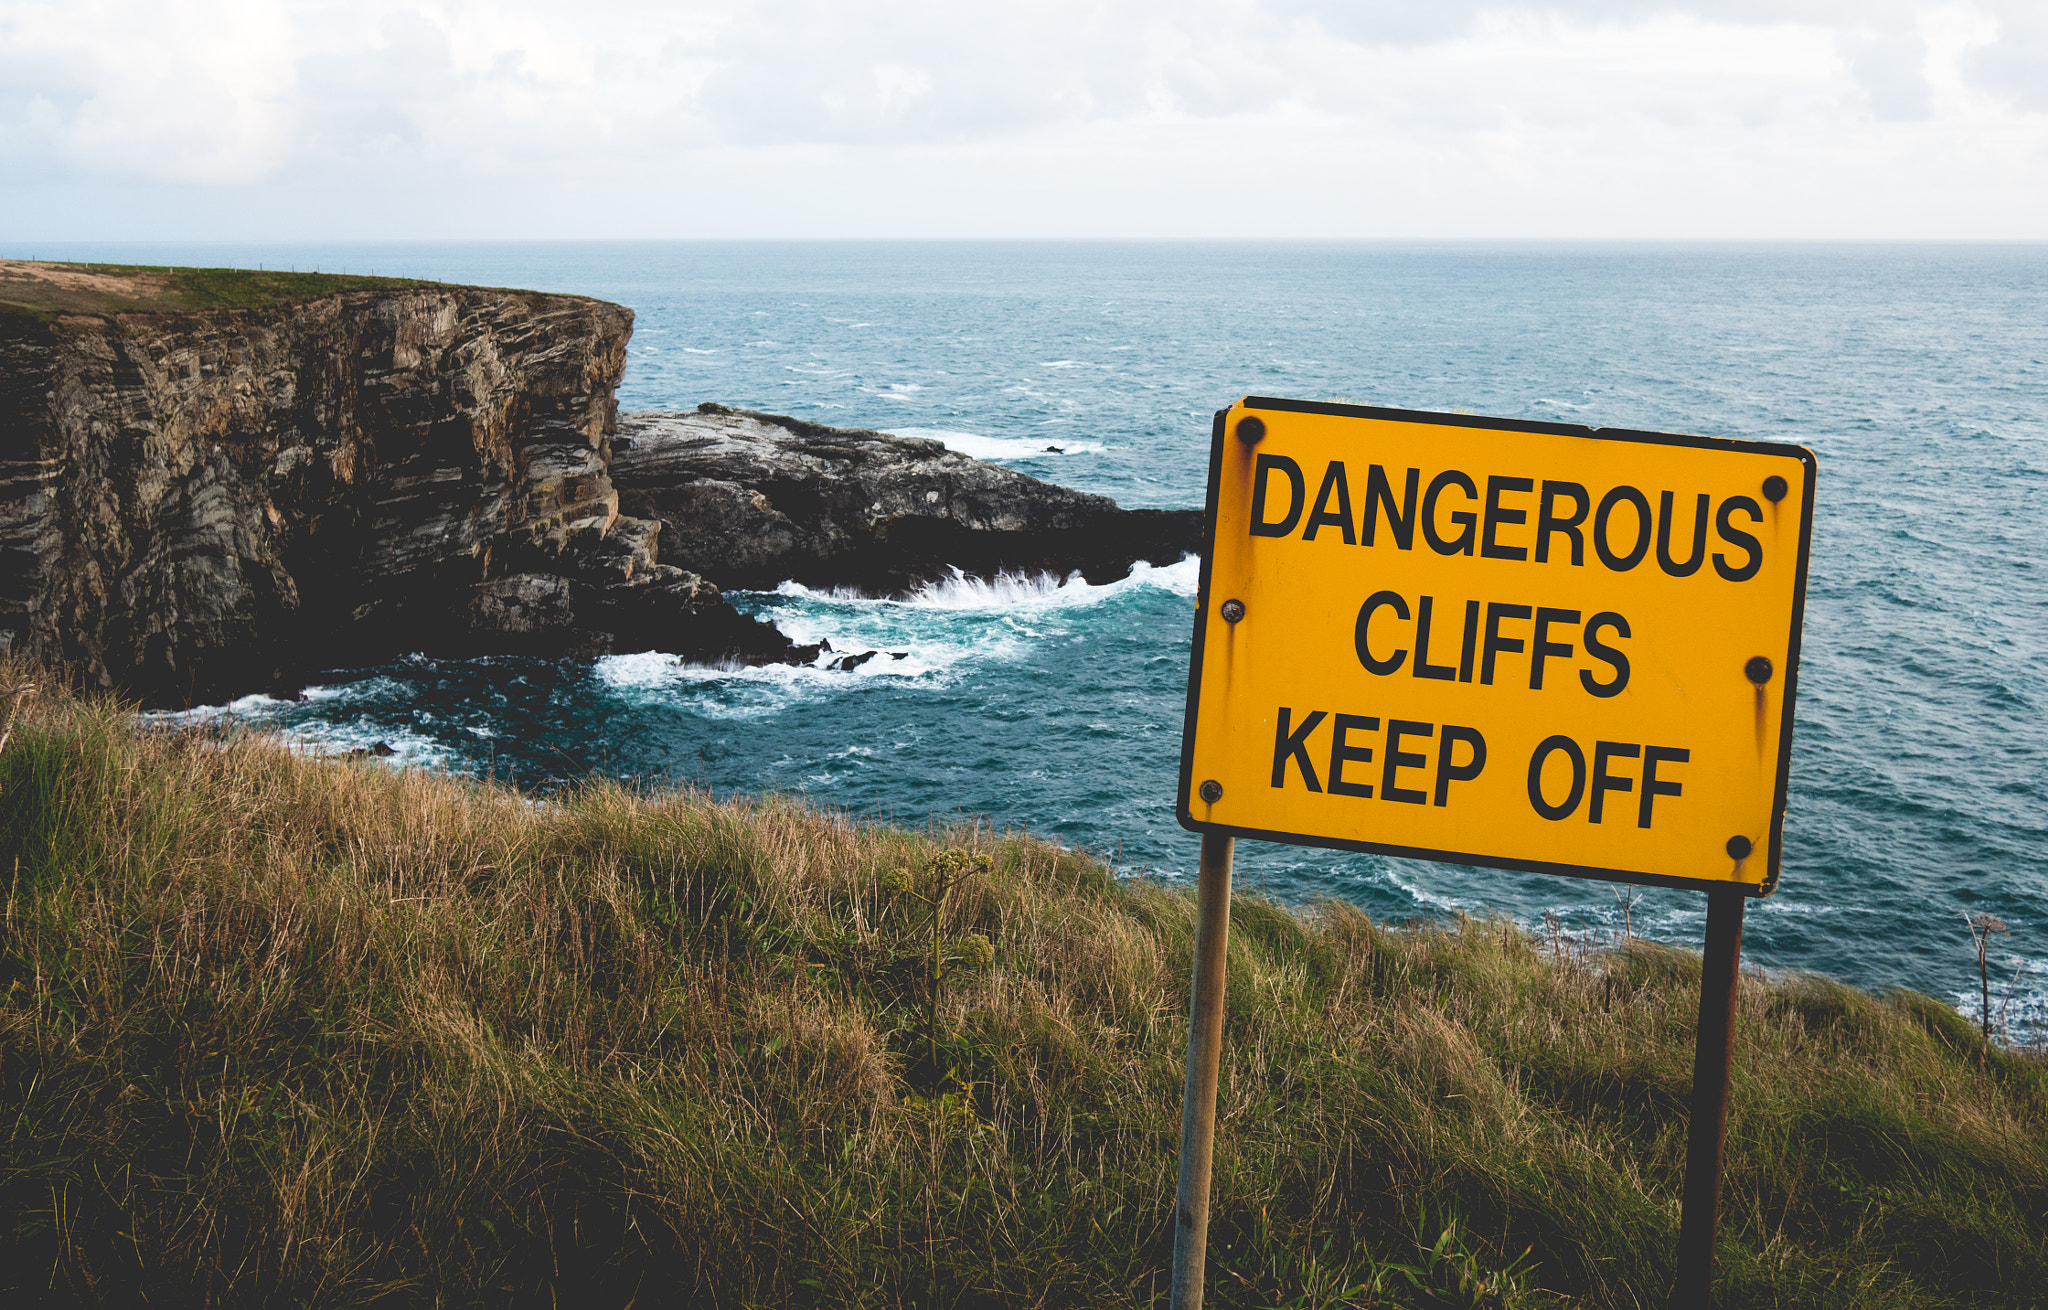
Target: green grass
[
  {"x": 44, "y": 291},
  {"x": 277, "y": 1031}
]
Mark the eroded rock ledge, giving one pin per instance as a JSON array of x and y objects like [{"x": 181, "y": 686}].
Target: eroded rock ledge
[
  {"x": 751, "y": 499},
  {"x": 214, "y": 482}
]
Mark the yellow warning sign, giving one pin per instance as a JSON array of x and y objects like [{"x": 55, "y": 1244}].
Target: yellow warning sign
[{"x": 1525, "y": 645}]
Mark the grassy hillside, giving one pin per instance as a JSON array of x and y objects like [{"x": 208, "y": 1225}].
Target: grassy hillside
[
  {"x": 42, "y": 290},
  {"x": 279, "y": 1031}
]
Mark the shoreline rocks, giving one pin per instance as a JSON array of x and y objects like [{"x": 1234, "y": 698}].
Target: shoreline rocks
[{"x": 751, "y": 499}]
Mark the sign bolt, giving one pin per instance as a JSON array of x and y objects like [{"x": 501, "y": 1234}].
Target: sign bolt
[
  {"x": 1233, "y": 610},
  {"x": 1739, "y": 847},
  {"x": 1774, "y": 488},
  {"x": 1252, "y": 429},
  {"x": 1758, "y": 670},
  {"x": 1211, "y": 791}
]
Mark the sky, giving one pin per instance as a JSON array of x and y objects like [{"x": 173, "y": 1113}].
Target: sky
[{"x": 255, "y": 120}]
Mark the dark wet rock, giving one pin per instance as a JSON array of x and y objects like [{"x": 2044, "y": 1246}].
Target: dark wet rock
[{"x": 749, "y": 500}]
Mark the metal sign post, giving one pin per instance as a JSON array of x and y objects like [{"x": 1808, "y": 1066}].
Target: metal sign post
[
  {"x": 1531, "y": 646},
  {"x": 1713, "y": 1054},
  {"x": 1205, "y": 1055}
]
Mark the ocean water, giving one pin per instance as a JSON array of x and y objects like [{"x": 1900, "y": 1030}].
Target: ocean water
[{"x": 1918, "y": 373}]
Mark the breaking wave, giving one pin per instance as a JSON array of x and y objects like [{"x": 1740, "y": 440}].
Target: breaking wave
[{"x": 1004, "y": 448}]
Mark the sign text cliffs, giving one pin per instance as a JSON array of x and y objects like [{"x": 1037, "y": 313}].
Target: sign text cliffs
[{"x": 1515, "y": 644}]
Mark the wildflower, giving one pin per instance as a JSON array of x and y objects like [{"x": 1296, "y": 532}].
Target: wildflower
[{"x": 974, "y": 950}]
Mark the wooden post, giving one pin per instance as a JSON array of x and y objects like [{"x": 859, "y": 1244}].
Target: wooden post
[
  {"x": 1205, "y": 1054},
  {"x": 1713, "y": 1052}
]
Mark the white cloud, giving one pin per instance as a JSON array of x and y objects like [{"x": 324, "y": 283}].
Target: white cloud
[
  {"x": 2015, "y": 63},
  {"x": 186, "y": 90},
  {"x": 1059, "y": 117}
]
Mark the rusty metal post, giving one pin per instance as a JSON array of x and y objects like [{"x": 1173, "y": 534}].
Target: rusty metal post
[
  {"x": 1713, "y": 1053},
  {"x": 1205, "y": 1055}
]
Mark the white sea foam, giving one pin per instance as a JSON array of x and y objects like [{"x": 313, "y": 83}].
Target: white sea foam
[
  {"x": 409, "y": 749},
  {"x": 1023, "y": 593},
  {"x": 928, "y": 635},
  {"x": 1005, "y": 591},
  {"x": 366, "y": 689},
  {"x": 1422, "y": 895},
  {"x": 748, "y": 692},
  {"x": 318, "y": 738},
  {"x": 1013, "y": 592},
  {"x": 247, "y": 709},
  {"x": 1183, "y": 577},
  {"x": 979, "y": 447}
]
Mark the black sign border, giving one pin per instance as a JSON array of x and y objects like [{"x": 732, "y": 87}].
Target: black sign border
[{"x": 1637, "y": 877}]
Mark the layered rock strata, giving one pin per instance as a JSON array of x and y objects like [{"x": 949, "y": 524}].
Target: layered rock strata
[
  {"x": 214, "y": 482},
  {"x": 751, "y": 499},
  {"x": 197, "y": 505}
]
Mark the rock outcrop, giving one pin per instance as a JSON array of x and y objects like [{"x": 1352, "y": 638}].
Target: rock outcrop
[
  {"x": 751, "y": 499},
  {"x": 214, "y": 482},
  {"x": 197, "y": 504}
]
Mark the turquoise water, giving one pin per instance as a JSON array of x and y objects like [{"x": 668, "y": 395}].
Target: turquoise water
[{"x": 1919, "y": 786}]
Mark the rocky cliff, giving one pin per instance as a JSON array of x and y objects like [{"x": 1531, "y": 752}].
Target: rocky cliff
[
  {"x": 214, "y": 482},
  {"x": 203, "y": 499},
  {"x": 751, "y": 499}
]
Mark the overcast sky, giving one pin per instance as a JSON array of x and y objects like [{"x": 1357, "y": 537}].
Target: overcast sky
[{"x": 389, "y": 119}]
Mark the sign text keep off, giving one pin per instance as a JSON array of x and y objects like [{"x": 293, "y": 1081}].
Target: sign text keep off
[{"x": 1525, "y": 645}]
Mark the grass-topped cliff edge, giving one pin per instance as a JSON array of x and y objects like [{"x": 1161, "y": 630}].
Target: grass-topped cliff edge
[
  {"x": 44, "y": 290},
  {"x": 282, "y": 1031}
]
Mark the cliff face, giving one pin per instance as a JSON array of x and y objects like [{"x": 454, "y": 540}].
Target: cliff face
[
  {"x": 200, "y": 504},
  {"x": 751, "y": 499},
  {"x": 214, "y": 482}
]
